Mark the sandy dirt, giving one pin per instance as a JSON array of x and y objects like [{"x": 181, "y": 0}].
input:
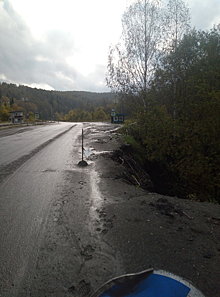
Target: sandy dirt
[
  {"x": 151, "y": 230},
  {"x": 101, "y": 225}
]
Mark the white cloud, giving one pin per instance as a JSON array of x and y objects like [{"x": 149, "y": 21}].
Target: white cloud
[
  {"x": 42, "y": 86},
  {"x": 38, "y": 62},
  {"x": 63, "y": 45},
  {"x": 57, "y": 43},
  {"x": 205, "y": 13},
  {"x": 42, "y": 59}
]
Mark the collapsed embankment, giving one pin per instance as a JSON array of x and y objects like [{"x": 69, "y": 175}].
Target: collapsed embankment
[{"x": 151, "y": 230}]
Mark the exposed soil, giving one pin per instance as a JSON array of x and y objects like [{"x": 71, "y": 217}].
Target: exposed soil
[
  {"x": 151, "y": 230},
  {"x": 106, "y": 220}
]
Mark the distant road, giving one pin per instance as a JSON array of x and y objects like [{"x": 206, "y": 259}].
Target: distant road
[{"x": 18, "y": 142}]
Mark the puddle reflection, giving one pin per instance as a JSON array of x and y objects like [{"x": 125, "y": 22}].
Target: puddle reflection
[
  {"x": 95, "y": 197},
  {"x": 89, "y": 153}
]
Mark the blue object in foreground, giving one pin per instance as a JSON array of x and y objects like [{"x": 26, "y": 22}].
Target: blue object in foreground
[{"x": 148, "y": 283}]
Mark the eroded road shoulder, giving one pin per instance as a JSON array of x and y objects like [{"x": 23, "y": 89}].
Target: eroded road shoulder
[
  {"x": 74, "y": 259},
  {"x": 99, "y": 227}
]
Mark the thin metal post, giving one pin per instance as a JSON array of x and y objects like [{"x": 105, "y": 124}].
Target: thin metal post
[{"x": 82, "y": 144}]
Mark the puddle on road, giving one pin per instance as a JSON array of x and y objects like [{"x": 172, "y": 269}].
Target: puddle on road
[
  {"x": 91, "y": 152},
  {"x": 96, "y": 200},
  {"x": 96, "y": 196},
  {"x": 88, "y": 152},
  {"x": 104, "y": 260}
]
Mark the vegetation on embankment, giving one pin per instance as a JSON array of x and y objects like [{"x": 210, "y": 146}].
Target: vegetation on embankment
[
  {"x": 170, "y": 74},
  {"x": 182, "y": 153}
]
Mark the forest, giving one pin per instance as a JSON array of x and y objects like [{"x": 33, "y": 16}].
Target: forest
[
  {"x": 55, "y": 105},
  {"x": 170, "y": 74}
]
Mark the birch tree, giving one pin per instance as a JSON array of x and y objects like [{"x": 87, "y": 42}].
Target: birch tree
[
  {"x": 132, "y": 61},
  {"x": 178, "y": 20},
  {"x": 177, "y": 25}
]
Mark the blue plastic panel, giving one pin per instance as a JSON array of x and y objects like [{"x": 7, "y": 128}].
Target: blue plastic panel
[{"x": 154, "y": 286}]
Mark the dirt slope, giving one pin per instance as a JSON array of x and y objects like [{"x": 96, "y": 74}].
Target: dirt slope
[{"x": 151, "y": 230}]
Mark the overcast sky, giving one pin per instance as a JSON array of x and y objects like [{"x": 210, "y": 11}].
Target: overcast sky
[{"x": 63, "y": 45}]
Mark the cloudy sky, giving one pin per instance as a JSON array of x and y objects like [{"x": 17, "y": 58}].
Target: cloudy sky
[{"x": 63, "y": 45}]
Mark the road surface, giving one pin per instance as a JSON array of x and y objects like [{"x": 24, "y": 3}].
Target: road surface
[
  {"x": 43, "y": 250},
  {"x": 65, "y": 230},
  {"x": 21, "y": 141}
]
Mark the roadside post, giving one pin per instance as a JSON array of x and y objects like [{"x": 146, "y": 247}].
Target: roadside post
[
  {"x": 82, "y": 145},
  {"x": 82, "y": 163}
]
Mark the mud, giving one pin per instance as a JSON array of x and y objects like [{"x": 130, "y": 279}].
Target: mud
[
  {"x": 103, "y": 224},
  {"x": 152, "y": 230}
]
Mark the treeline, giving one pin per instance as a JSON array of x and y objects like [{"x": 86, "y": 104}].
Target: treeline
[
  {"x": 177, "y": 133},
  {"x": 54, "y": 105},
  {"x": 171, "y": 75},
  {"x": 79, "y": 115}
]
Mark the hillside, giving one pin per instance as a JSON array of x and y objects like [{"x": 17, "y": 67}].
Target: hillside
[{"x": 52, "y": 104}]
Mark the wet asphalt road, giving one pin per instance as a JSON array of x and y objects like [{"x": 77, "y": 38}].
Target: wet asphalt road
[
  {"x": 47, "y": 214},
  {"x": 20, "y": 141},
  {"x": 26, "y": 194}
]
